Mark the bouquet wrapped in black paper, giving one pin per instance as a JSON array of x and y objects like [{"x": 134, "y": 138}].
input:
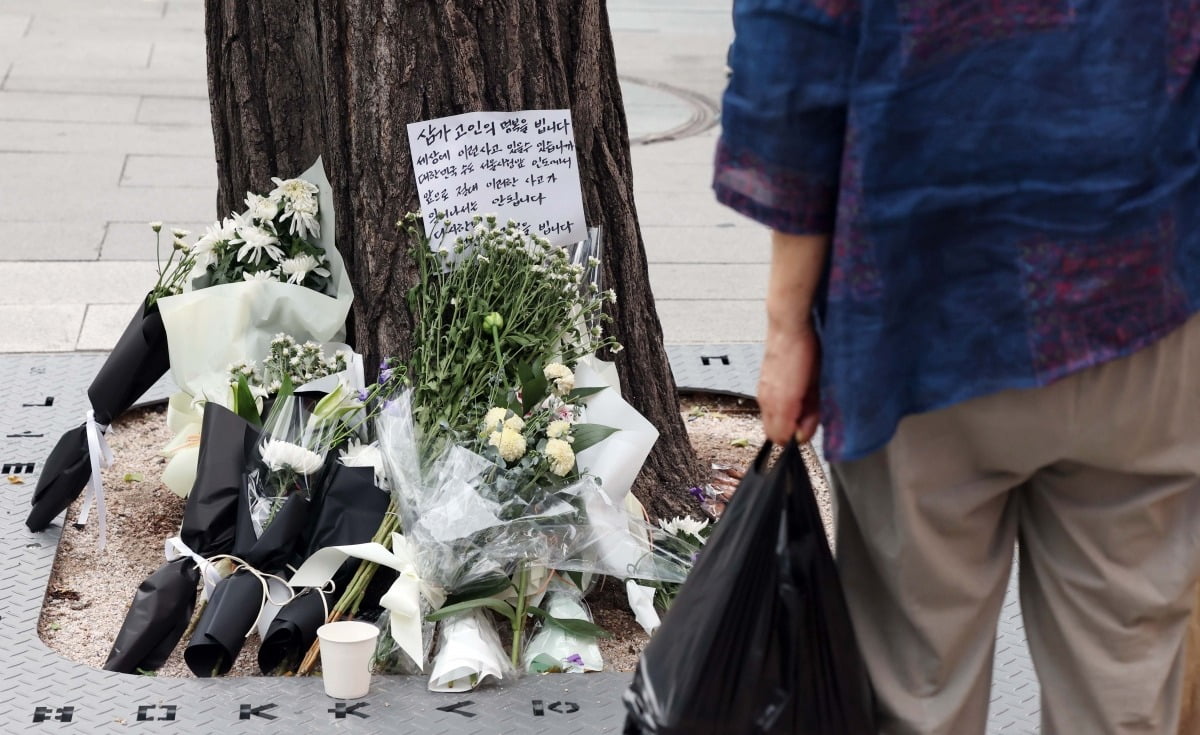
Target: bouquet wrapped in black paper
[
  {"x": 349, "y": 511},
  {"x": 138, "y": 360},
  {"x": 280, "y": 494},
  {"x": 163, "y": 604}
]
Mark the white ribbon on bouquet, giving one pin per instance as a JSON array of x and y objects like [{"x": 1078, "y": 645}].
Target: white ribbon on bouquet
[
  {"x": 403, "y": 598},
  {"x": 175, "y": 548},
  {"x": 101, "y": 458}
]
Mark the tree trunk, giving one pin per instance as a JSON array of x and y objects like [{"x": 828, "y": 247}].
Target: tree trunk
[
  {"x": 264, "y": 89},
  {"x": 384, "y": 65}
]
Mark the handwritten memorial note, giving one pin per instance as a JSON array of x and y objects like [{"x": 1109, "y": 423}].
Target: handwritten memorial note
[{"x": 518, "y": 165}]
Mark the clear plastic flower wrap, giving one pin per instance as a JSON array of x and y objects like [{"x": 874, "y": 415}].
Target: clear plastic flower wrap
[
  {"x": 473, "y": 521},
  {"x": 288, "y": 460},
  {"x": 470, "y": 519},
  {"x": 554, "y": 648}
]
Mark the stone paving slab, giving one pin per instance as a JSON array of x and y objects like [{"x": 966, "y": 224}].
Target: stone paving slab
[
  {"x": 170, "y": 171},
  {"x": 109, "y": 97},
  {"x": 59, "y": 107},
  {"x": 732, "y": 243},
  {"x": 48, "y": 240},
  {"x": 41, "y": 328},
  {"x": 49, "y": 283},
  {"x": 135, "y": 240},
  {"x": 139, "y": 141}
]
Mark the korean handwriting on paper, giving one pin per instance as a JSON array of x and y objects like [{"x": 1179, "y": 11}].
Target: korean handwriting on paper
[{"x": 521, "y": 166}]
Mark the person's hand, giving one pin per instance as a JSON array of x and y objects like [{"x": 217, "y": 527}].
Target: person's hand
[{"x": 788, "y": 384}]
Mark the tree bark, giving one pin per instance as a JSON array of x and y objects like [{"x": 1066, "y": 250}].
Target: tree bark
[
  {"x": 264, "y": 90},
  {"x": 383, "y": 65}
]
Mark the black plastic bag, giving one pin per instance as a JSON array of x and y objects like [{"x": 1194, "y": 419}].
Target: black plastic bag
[
  {"x": 164, "y": 602},
  {"x": 759, "y": 639},
  {"x": 136, "y": 363}
]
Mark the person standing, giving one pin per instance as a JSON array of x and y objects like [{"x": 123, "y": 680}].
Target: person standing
[{"x": 985, "y": 266}]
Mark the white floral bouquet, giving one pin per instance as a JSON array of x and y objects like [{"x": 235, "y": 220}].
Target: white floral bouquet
[
  {"x": 275, "y": 239},
  {"x": 271, "y": 269},
  {"x": 287, "y": 362}
]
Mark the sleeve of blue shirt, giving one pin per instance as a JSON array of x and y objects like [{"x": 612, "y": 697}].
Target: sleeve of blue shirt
[{"x": 784, "y": 111}]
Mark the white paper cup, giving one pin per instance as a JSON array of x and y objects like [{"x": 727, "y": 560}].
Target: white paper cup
[{"x": 346, "y": 650}]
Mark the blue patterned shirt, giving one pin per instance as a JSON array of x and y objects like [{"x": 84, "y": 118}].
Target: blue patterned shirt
[{"x": 1012, "y": 186}]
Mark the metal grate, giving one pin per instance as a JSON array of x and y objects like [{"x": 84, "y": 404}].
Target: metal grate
[{"x": 43, "y": 395}]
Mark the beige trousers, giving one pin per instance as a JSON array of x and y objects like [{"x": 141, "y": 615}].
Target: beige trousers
[{"x": 1096, "y": 479}]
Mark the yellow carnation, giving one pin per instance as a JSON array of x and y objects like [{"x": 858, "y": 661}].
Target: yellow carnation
[
  {"x": 510, "y": 443},
  {"x": 561, "y": 456},
  {"x": 561, "y": 376},
  {"x": 493, "y": 419}
]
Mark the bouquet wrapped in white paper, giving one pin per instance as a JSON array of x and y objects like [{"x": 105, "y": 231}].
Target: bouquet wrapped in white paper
[
  {"x": 469, "y": 653},
  {"x": 269, "y": 270},
  {"x": 248, "y": 289}
]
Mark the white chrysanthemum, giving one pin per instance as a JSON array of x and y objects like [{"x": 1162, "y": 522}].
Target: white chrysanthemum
[
  {"x": 205, "y": 252},
  {"x": 357, "y": 454},
  {"x": 257, "y": 242},
  {"x": 259, "y": 276},
  {"x": 510, "y": 443},
  {"x": 559, "y": 430},
  {"x": 280, "y": 455},
  {"x": 297, "y": 269},
  {"x": 561, "y": 375},
  {"x": 494, "y": 419},
  {"x": 156, "y": 225},
  {"x": 303, "y": 216},
  {"x": 561, "y": 456},
  {"x": 678, "y": 525},
  {"x": 293, "y": 189},
  {"x": 261, "y": 208}
]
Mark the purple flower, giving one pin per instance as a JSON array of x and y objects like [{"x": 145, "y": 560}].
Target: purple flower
[
  {"x": 698, "y": 493},
  {"x": 385, "y": 374},
  {"x": 362, "y": 395},
  {"x": 574, "y": 658}
]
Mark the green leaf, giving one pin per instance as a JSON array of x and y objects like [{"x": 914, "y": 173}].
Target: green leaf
[
  {"x": 497, "y": 606},
  {"x": 589, "y": 435},
  {"x": 521, "y": 340},
  {"x": 740, "y": 443},
  {"x": 580, "y": 393},
  {"x": 544, "y": 663},
  {"x": 286, "y": 388},
  {"x": 534, "y": 385},
  {"x": 574, "y": 626},
  {"x": 489, "y": 586},
  {"x": 134, "y": 477},
  {"x": 243, "y": 402}
]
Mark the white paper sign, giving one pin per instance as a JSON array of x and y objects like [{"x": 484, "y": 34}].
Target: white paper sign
[{"x": 518, "y": 165}]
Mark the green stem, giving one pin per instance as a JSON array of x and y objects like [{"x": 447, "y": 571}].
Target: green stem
[{"x": 519, "y": 622}]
